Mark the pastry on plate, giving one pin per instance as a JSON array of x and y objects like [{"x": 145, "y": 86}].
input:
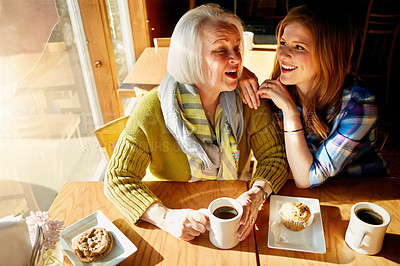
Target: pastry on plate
[
  {"x": 296, "y": 216},
  {"x": 93, "y": 244}
]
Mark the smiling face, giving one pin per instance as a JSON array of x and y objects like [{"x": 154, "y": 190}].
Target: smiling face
[
  {"x": 295, "y": 57},
  {"x": 221, "y": 57}
]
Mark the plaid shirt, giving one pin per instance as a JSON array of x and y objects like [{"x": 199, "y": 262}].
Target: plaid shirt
[{"x": 350, "y": 148}]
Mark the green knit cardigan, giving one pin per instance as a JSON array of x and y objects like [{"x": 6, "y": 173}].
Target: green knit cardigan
[{"x": 147, "y": 143}]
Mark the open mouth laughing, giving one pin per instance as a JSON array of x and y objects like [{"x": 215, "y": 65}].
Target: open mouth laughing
[{"x": 232, "y": 74}]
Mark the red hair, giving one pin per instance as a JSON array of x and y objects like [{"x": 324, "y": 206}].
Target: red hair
[{"x": 333, "y": 48}]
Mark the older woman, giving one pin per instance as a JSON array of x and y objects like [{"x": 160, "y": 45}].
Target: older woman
[{"x": 194, "y": 127}]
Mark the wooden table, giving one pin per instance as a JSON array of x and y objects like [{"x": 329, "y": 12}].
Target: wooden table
[
  {"x": 151, "y": 67},
  {"x": 336, "y": 198},
  {"x": 76, "y": 200},
  {"x": 79, "y": 199}
]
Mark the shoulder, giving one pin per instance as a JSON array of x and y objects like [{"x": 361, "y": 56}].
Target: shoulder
[
  {"x": 148, "y": 108},
  {"x": 358, "y": 92},
  {"x": 359, "y": 111},
  {"x": 146, "y": 113},
  {"x": 149, "y": 102},
  {"x": 357, "y": 99}
]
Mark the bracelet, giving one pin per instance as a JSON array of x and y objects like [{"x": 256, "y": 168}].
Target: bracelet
[
  {"x": 291, "y": 131},
  {"x": 263, "y": 190}
]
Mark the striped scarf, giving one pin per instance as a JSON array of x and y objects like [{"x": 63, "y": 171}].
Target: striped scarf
[
  {"x": 212, "y": 155},
  {"x": 192, "y": 112}
]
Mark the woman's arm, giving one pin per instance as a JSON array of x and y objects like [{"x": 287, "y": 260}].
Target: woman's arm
[
  {"x": 251, "y": 201},
  {"x": 123, "y": 181},
  {"x": 355, "y": 123},
  {"x": 272, "y": 168},
  {"x": 266, "y": 142},
  {"x": 123, "y": 186},
  {"x": 298, "y": 154}
]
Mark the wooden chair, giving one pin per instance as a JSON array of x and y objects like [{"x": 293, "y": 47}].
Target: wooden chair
[
  {"x": 161, "y": 42},
  {"x": 108, "y": 134},
  {"x": 270, "y": 10},
  {"x": 377, "y": 44},
  {"x": 137, "y": 93},
  {"x": 125, "y": 93}
]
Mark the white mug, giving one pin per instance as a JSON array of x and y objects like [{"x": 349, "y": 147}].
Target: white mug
[
  {"x": 223, "y": 231},
  {"x": 367, "y": 228},
  {"x": 248, "y": 37}
]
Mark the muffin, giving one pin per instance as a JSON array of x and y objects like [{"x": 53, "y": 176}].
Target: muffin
[{"x": 296, "y": 216}]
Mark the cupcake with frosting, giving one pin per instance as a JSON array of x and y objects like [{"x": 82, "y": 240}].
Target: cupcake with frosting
[{"x": 296, "y": 216}]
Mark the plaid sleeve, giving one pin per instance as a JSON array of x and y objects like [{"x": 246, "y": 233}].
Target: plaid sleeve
[{"x": 355, "y": 123}]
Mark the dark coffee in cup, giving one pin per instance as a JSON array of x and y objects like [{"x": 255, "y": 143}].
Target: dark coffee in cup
[
  {"x": 225, "y": 212},
  {"x": 369, "y": 216}
]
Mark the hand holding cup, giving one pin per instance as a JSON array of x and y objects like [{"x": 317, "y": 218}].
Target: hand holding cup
[{"x": 224, "y": 215}]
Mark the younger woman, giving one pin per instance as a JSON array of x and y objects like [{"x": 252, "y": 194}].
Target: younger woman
[{"x": 328, "y": 116}]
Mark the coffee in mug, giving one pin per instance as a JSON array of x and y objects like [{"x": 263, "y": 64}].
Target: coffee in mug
[
  {"x": 225, "y": 212},
  {"x": 369, "y": 216},
  {"x": 367, "y": 228}
]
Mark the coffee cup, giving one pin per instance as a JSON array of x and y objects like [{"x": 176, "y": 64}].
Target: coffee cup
[
  {"x": 224, "y": 215},
  {"x": 367, "y": 228},
  {"x": 248, "y": 37}
]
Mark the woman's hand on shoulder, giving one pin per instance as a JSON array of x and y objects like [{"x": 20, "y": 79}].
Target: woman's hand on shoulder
[
  {"x": 277, "y": 92},
  {"x": 248, "y": 85}
]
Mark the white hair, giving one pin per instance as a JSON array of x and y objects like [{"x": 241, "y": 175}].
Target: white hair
[{"x": 184, "y": 58}]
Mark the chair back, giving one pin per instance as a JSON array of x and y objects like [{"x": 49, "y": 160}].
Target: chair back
[
  {"x": 108, "y": 134},
  {"x": 377, "y": 43},
  {"x": 161, "y": 42}
]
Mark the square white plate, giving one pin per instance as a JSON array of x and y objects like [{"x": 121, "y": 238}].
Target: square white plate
[
  {"x": 310, "y": 239},
  {"x": 122, "y": 247}
]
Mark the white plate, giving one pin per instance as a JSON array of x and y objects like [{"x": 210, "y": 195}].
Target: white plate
[
  {"x": 122, "y": 247},
  {"x": 310, "y": 239}
]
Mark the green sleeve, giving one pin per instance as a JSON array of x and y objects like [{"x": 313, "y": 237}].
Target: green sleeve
[
  {"x": 268, "y": 147},
  {"x": 123, "y": 185}
]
